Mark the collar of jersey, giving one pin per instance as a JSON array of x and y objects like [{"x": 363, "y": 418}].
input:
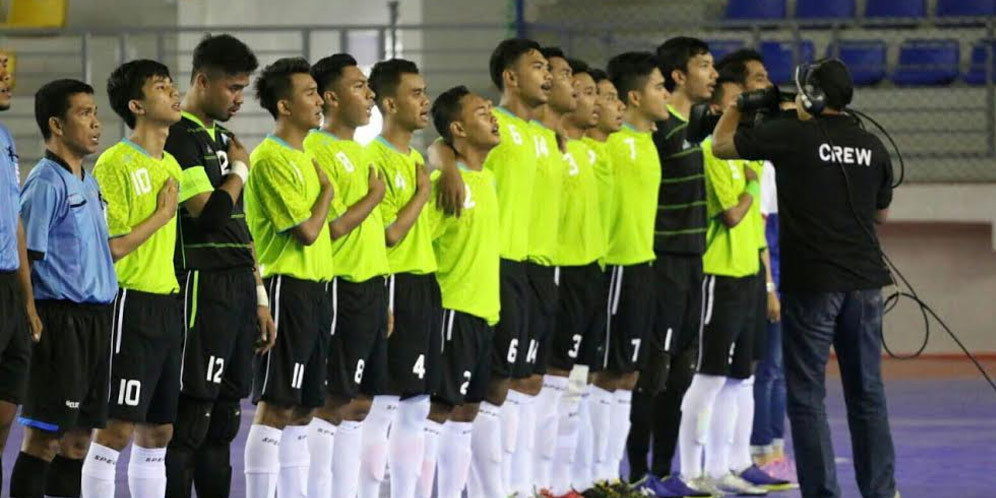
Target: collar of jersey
[
  {"x": 463, "y": 166},
  {"x": 507, "y": 112},
  {"x": 198, "y": 122},
  {"x": 53, "y": 157},
  {"x": 633, "y": 130},
  {"x": 325, "y": 132},
  {"x": 141, "y": 149},
  {"x": 281, "y": 141},
  {"x": 389, "y": 145},
  {"x": 677, "y": 114}
]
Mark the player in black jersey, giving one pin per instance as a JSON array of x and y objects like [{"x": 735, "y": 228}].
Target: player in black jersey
[{"x": 226, "y": 308}]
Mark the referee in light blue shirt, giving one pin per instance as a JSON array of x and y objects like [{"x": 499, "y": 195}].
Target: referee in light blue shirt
[{"x": 74, "y": 285}]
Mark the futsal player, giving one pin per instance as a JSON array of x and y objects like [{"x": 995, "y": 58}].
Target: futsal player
[
  {"x": 467, "y": 250},
  {"x": 225, "y": 302},
  {"x": 74, "y": 285},
  {"x": 357, "y": 361},
  {"x": 394, "y": 431},
  {"x": 522, "y": 74},
  {"x": 287, "y": 202},
  {"x": 141, "y": 184}
]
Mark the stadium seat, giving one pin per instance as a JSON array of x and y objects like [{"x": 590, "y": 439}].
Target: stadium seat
[
  {"x": 780, "y": 60},
  {"x": 824, "y": 9},
  {"x": 720, "y": 48},
  {"x": 738, "y": 10},
  {"x": 965, "y": 8},
  {"x": 927, "y": 62},
  {"x": 976, "y": 74},
  {"x": 896, "y": 9},
  {"x": 865, "y": 59}
]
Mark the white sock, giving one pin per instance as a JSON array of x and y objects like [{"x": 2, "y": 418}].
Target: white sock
[
  {"x": 623, "y": 399},
  {"x": 294, "y": 462},
  {"x": 427, "y": 476},
  {"x": 696, "y": 413},
  {"x": 547, "y": 413},
  {"x": 373, "y": 458},
  {"x": 147, "y": 471},
  {"x": 454, "y": 458},
  {"x": 521, "y": 477},
  {"x": 98, "y": 472},
  {"x": 740, "y": 457},
  {"x": 321, "y": 441},
  {"x": 581, "y": 476},
  {"x": 262, "y": 459},
  {"x": 487, "y": 450},
  {"x": 406, "y": 448},
  {"x": 600, "y": 406},
  {"x": 346, "y": 458},
  {"x": 717, "y": 448},
  {"x": 509, "y": 434},
  {"x": 566, "y": 446}
]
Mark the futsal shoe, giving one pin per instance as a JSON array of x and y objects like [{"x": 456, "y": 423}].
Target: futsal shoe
[
  {"x": 760, "y": 478},
  {"x": 736, "y": 485},
  {"x": 705, "y": 484},
  {"x": 782, "y": 469},
  {"x": 671, "y": 487}
]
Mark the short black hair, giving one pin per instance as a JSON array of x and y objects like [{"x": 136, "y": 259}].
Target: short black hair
[
  {"x": 386, "y": 76},
  {"x": 551, "y": 52},
  {"x": 274, "y": 83},
  {"x": 224, "y": 53},
  {"x": 717, "y": 93},
  {"x": 598, "y": 74},
  {"x": 125, "y": 84},
  {"x": 733, "y": 66},
  {"x": 329, "y": 69},
  {"x": 446, "y": 109},
  {"x": 52, "y": 100},
  {"x": 578, "y": 66},
  {"x": 675, "y": 53},
  {"x": 833, "y": 77},
  {"x": 506, "y": 54},
  {"x": 629, "y": 71}
]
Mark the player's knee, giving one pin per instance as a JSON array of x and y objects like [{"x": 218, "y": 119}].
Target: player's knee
[
  {"x": 115, "y": 435},
  {"x": 440, "y": 412},
  {"x": 193, "y": 417},
  {"x": 41, "y": 444},
  {"x": 74, "y": 444},
  {"x": 153, "y": 435},
  {"x": 225, "y": 420},
  {"x": 497, "y": 391},
  {"x": 358, "y": 409},
  {"x": 466, "y": 412},
  {"x": 627, "y": 382}
]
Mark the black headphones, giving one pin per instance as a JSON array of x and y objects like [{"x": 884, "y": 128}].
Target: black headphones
[{"x": 813, "y": 98}]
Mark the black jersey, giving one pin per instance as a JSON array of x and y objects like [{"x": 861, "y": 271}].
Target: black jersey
[{"x": 680, "y": 227}]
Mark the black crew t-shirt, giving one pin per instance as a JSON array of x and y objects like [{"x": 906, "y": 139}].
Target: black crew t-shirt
[{"x": 824, "y": 246}]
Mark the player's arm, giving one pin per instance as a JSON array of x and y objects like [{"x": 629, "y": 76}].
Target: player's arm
[
  {"x": 734, "y": 205},
  {"x": 24, "y": 277},
  {"x": 307, "y": 232},
  {"x": 734, "y": 215},
  {"x": 722, "y": 137},
  {"x": 264, "y": 319},
  {"x": 408, "y": 214},
  {"x": 166, "y": 203},
  {"x": 212, "y": 208},
  {"x": 774, "y": 304},
  {"x": 355, "y": 214},
  {"x": 450, "y": 189}
]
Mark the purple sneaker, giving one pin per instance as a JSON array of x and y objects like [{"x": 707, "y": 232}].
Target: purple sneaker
[
  {"x": 783, "y": 469},
  {"x": 758, "y": 477},
  {"x": 673, "y": 486}
]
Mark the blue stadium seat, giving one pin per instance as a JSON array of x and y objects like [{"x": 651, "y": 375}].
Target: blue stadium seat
[
  {"x": 779, "y": 60},
  {"x": 755, "y": 9},
  {"x": 824, "y": 9},
  {"x": 927, "y": 62},
  {"x": 965, "y": 8},
  {"x": 976, "y": 74},
  {"x": 719, "y": 48},
  {"x": 865, "y": 59},
  {"x": 896, "y": 8}
]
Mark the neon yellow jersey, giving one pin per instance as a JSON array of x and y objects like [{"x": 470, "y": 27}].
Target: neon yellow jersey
[
  {"x": 637, "y": 176},
  {"x": 544, "y": 221},
  {"x": 279, "y": 194},
  {"x": 467, "y": 248},
  {"x": 755, "y": 207},
  {"x": 361, "y": 254},
  {"x": 513, "y": 163},
  {"x": 606, "y": 184},
  {"x": 413, "y": 253},
  {"x": 730, "y": 252},
  {"x": 130, "y": 180},
  {"x": 582, "y": 238}
]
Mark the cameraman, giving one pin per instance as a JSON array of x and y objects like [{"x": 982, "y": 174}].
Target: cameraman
[{"x": 834, "y": 183}]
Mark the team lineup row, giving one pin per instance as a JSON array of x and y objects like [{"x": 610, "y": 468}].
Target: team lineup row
[{"x": 479, "y": 328}]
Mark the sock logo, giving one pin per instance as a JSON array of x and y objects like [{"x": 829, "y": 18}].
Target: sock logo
[
  {"x": 270, "y": 440},
  {"x": 103, "y": 459}
]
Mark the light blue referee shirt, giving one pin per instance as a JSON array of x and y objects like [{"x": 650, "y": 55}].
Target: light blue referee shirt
[
  {"x": 10, "y": 187},
  {"x": 67, "y": 235}
]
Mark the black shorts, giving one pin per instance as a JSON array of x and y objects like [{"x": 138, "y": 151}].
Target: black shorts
[
  {"x": 293, "y": 372},
  {"x": 67, "y": 384},
  {"x": 630, "y": 308},
  {"x": 414, "y": 348},
  {"x": 467, "y": 343},
  {"x": 145, "y": 352},
  {"x": 15, "y": 340},
  {"x": 543, "y": 305},
  {"x": 726, "y": 342},
  {"x": 580, "y": 316},
  {"x": 357, "y": 359},
  {"x": 510, "y": 334},
  {"x": 760, "y": 330},
  {"x": 221, "y": 329}
]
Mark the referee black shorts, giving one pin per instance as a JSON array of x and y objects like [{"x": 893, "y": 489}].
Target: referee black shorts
[
  {"x": 292, "y": 373},
  {"x": 543, "y": 305},
  {"x": 146, "y": 342},
  {"x": 414, "y": 348},
  {"x": 630, "y": 309},
  {"x": 467, "y": 343},
  {"x": 221, "y": 329},
  {"x": 15, "y": 340},
  {"x": 726, "y": 342},
  {"x": 510, "y": 334},
  {"x": 580, "y": 315},
  {"x": 357, "y": 360},
  {"x": 68, "y": 380}
]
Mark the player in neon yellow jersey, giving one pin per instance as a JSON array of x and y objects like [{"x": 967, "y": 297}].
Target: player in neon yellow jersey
[
  {"x": 287, "y": 206},
  {"x": 520, "y": 71}
]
